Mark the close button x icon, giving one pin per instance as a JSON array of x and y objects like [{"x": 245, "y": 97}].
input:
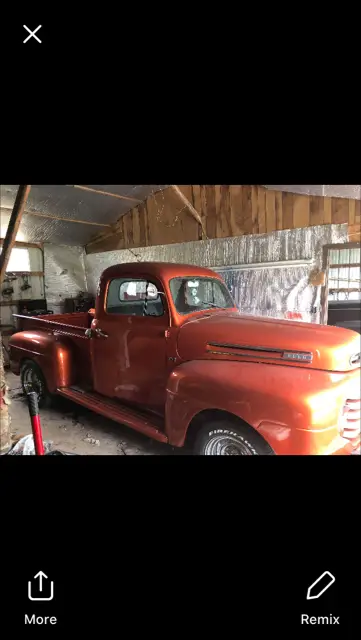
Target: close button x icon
[{"x": 32, "y": 33}]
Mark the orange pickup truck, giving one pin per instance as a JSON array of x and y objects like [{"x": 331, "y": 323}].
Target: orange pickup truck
[{"x": 167, "y": 353}]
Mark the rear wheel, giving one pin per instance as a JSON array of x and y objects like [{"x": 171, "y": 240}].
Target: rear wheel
[
  {"x": 225, "y": 438},
  {"x": 32, "y": 379}
]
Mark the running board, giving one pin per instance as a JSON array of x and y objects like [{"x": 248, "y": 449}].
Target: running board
[{"x": 111, "y": 409}]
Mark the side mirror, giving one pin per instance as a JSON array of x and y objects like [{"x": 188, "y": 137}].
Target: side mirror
[{"x": 152, "y": 291}]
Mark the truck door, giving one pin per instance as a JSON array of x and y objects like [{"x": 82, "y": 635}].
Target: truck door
[{"x": 129, "y": 350}]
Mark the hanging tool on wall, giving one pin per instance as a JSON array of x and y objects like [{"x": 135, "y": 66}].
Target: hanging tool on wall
[
  {"x": 7, "y": 291},
  {"x": 25, "y": 284},
  {"x": 10, "y": 277}
]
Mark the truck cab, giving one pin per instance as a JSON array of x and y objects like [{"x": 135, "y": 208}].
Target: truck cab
[{"x": 167, "y": 352}]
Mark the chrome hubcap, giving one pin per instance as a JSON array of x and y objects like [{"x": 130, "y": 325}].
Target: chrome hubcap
[{"x": 226, "y": 445}]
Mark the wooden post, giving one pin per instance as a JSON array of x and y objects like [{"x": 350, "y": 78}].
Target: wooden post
[
  {"x": 189, "y": 206},
  {"x": 5, "y": 437},
  {"x": 13, "y": 227}
]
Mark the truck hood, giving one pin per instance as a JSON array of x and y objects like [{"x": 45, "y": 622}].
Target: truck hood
[{"x": 231, "y": 335}]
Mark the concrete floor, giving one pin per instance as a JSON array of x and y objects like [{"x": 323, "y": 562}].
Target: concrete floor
[{"x": 68, "y": 425}]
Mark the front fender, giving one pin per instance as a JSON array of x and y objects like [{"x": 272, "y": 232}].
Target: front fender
[
  {"x": 280, "y": 402},
  {"x": 198, "y": 385},
  {"x": 53, "y": 355}
]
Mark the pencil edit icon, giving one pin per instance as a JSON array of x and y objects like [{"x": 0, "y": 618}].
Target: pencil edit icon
[{"x": 320, "y": 585}]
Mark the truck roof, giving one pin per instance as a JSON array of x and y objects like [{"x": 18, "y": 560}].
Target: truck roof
[{"x": 162, "y": 270}]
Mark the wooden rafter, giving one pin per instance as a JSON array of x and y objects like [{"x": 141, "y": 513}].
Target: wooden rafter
[
  {"x": 105, "y": 193},
  {"x": 13, "y": 227},
  {"x": 189, "y": 207},
  {"x": 48, "y": 215},
  {"x": 28, "y": 245}
]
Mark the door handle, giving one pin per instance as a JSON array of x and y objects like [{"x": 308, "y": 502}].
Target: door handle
[{"x": 100, "y": 333}]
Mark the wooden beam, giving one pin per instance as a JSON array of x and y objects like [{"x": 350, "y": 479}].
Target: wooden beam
[
  {"x": 13, "y": 227},
  {"x": 104, "y": 236},
  {"x": 344, "y": 266},
  {"x": 5, "y": 435},
  {"x": 189, "y": 207},
  {"x": 26, "y": 273},
  {"x": 48, "y": 215},
  {"x": 345, "y": 290},
  {"x": 29, "y": 245},
  {"x": 105, "y": 193}
]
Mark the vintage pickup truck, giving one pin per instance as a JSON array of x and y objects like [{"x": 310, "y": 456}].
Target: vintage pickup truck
[{"x": 167, "y": 353}]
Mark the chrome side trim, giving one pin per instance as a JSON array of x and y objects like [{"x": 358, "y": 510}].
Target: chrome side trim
[{"x": 298, "y": 356}]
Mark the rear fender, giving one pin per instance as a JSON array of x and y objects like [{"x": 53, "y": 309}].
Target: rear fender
[{"x": 53, "y": 355}]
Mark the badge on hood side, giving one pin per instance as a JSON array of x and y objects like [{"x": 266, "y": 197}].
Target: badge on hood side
[{"x": 298, "y": 356}]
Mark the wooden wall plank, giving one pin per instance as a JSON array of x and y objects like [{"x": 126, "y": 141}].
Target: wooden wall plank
[
  {"x": 339, "y": 210},
  {"x": 211, "y": 220},
  {"x": 143, "y": 225},
  {"x": 301, "y": 211},
  {"x": 316, "y": 210},
  {"x": 279, "y": 210},
  {"x": 235, "y": 191},
  {"x": 169, "y": 220},
  {"x": 354, "y": 232},
  {"x": 128, "y": 230},
  {"x": 351, "y": 211},
  {"x": 357, "y": 211},
  {"x": 197, "y": 203},
  {"x": 254, "y": 205},
  {"x": 327, "y": 213},
  {"x": 261, "y": 209},
  {"x": 271, "y": 211},
  {"x": 217, "y": 198},
  {"x": 226, "y": 211},
  {"x": 247, "y": 208},
  {"x": 287, "y": 209},
  {"x": 224, "y": 227},
  {"x": 136, "y": 227},
  {"x": 203, "y": 211}
]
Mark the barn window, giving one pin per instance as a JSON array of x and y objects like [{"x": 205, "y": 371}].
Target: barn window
[
  {"x": 19, "y": 260},
  {"x": 344, "y": 276}
]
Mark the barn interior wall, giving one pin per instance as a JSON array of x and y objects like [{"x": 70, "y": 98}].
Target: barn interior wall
[
  {"x": 24, "y": 286},
  {"x": 225, "y": 211},
  {"x": 64, "y": 269},
  {"x": 266, "y": 290}
]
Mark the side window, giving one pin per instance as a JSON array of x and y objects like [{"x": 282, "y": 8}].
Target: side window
[{"x": 134, "y": 298}]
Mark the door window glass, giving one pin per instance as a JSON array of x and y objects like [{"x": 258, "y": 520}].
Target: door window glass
[{"x": 134, "y": 298}]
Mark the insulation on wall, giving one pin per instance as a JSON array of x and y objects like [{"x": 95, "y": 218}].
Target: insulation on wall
[
  {"x": 275, "y": 292},
  {"x": 64, "y": 274}
]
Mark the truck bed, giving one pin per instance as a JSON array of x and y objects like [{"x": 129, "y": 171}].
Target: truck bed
[
  {"x": 70, "y": 327},
  {"x": 60, "y": 322}
]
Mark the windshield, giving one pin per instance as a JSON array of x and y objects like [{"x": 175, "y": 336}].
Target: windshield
[{"x": 197, "y": 294}]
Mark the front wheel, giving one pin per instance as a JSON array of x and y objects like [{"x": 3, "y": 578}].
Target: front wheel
[
  {"x": 32, "y": 379},
  {"x": 223, "y": 438}
]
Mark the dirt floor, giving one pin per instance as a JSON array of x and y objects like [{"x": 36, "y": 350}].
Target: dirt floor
[{"x": 73, "y": 428}]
